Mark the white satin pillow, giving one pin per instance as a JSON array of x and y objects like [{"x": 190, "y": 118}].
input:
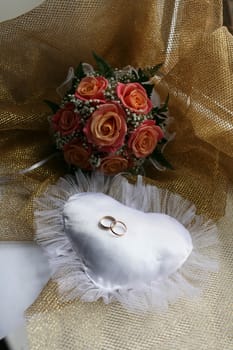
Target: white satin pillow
[{"x": 153, "y": 247}]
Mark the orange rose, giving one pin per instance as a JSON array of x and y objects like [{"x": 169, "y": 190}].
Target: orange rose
[
  {"x": 134, "y": 97},
  {"x": 91, "y": 88},
  {"x": 113, "y": 164},
  {"x": 75, "y": 154},
  {"x": 106, "y": 128},
  {"x": 145, "y": 138},
  {"x": 66, "y": 120}
]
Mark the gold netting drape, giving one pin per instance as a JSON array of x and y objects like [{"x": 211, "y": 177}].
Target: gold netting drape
[{"x": 36, "y": 51}]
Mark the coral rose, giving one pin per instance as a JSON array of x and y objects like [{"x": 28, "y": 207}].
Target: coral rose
[
  {"x": 76, "y": 154},
  {"x": 91, "y": 88},
  {"x": 145, "y": 138},
  {"x": 113, "y": 164},
  {"x": 134, "y": 97},
  {"x": 66, "y": 120},
  {"x": 106, "y": 128}
]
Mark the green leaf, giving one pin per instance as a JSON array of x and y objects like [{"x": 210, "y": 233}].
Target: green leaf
[
  {"x": 155, "y": 110},
  {"x": 79, "y": 71},
  {"x": 53, "y": 106},
  {"x": 150, "y": 71},
  {"x": 142, "y": 76},
  {"x": 134, "y": 76},
  {"x": 159, "y": 157},
  {"x": 104, "y": 68},
  {"x": 149, "y": 89},
  {"x": 163, "y": 115}
]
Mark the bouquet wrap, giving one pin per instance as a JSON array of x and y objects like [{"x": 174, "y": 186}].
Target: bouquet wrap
[{"x": 197, "y": 54}]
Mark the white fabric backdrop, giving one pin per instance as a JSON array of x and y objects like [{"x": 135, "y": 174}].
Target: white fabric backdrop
[
  {"x": 23, "y": 273},
  {"x": 13, "y": 8}
]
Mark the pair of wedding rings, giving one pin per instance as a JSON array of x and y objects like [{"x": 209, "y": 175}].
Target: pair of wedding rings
[{"x": 117, "y": 227}]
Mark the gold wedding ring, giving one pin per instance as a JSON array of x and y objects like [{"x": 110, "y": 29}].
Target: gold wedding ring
[
  {"x": 117, "y": 227},
  {"x": 106, "y": 222}
]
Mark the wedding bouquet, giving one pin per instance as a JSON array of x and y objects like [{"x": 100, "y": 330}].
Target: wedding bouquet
[
  {"x": 105, "y": 237},
  {"x": 107, "y": 120}
]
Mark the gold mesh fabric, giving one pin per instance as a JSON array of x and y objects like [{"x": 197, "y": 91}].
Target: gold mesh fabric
[
  {"x": 37, "y": 49},
  {"x": 204, "y": 323}
]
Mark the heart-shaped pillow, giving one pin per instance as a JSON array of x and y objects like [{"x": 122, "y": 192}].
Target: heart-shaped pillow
[
  {"x": 153, "y": 247},
  {"x": 141, "y": 248}
]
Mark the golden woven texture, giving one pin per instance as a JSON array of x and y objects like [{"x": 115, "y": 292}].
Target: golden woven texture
[
  {"x": 37, "y": 49},
  {"x": 205, "y": 323}
]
